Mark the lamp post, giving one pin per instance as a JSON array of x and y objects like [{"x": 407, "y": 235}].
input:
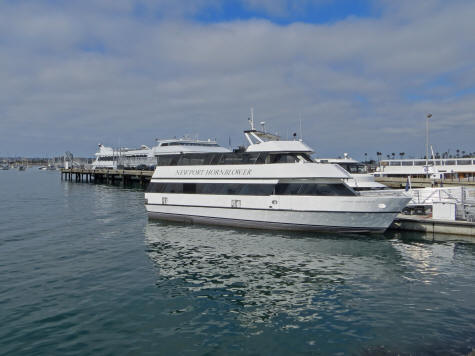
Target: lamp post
[{"x": 428, "y": 116}]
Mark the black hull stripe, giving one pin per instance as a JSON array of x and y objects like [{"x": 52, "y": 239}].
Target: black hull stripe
[
  {"x": 254, "y": 224},
  {"x": 272, "y": 209}
]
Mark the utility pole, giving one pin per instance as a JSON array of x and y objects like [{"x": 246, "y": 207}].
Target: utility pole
[{"x": 428, "y": 116}]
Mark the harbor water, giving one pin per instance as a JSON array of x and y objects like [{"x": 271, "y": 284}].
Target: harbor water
[{"x": 83, "y": 271}]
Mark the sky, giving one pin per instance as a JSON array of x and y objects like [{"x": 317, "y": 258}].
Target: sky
[{"x": 359, "y": 75}]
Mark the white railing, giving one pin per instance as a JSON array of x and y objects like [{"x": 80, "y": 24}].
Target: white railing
[{"x": 427, "y": 196}]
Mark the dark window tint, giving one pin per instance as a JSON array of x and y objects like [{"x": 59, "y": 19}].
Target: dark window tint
[
  {"x": 287, "y": 189},
  {"x": 211, "y": 188},
  {"x": 189, "y": 188},
  {"x": 320, "y": 189},
  {"x": 312, "y": 189},
  {"x": 257, "y": 189}
]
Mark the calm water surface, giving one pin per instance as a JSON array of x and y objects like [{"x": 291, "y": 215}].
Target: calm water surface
[{"x": 82, "y": 271}]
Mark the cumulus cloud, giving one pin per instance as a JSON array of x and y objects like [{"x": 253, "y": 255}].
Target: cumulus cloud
[{"x": 125, "y": 72}]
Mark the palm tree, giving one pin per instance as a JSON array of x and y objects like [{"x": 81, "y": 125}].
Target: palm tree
[
  {"x": 401, "y": 154},
  {"x": 379, "y": 154},
  {"x": 458, "y": 153}
]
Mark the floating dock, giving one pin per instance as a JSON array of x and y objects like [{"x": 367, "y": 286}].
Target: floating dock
[
  {"x": 427, "y": 224},
  {"x": 106, "y": 176}
]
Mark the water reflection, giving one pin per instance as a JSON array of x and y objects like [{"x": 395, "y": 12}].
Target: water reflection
[
  {"x": 430, "y": 255},
  {"x": 268, "y": 274},
  {"x": 342, "y": 289}
]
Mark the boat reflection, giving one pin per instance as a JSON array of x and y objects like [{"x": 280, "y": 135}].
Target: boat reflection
[{"x": 264, "y": 275}]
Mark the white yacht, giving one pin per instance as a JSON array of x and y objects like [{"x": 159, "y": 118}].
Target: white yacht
[
  {"x": 271, "y": 184},
  {"x": 108, "y": 157},
  {"x": 146, "y": 157},
  {"x": 360, "y": 178}
]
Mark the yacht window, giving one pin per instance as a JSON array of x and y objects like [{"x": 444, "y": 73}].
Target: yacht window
[
  {"x": 252, "y": 189},
  {"x": 106, "y": 158},
  {"x": 306, "y": 157},
  {"x": 257, "y": 189},
  {"x": 345, "y": 166},
  {"x": 233, "y": 189},
  {"x": 216, "y": 159},
  {"x": 450, "y": 163},
  {"x": 283, "y": 158},
  {"x": 407, "y": 163},
  {"x": 211, "y": 188},
  {"x": 394, "y": 163},
  {"x": 463, "y": 162},
  {"x": 312, "y": 189},
  {"x": 419, "y": 163},
  {"x": 287, "y": 189},
  {"x": 235, "y": 158},
  {"x": 165, "y": 160},
  {"x": 231, "y": 158},
  {"x": 353, "y": 167},
  {"x": 192, "y": 160},
  {"x": 308, "y": 189},
  {"x": 261, "y": 158},
  {"x": 189, "y": 188}
]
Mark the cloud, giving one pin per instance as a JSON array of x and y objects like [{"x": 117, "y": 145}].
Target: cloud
[{"x": 110, "y": 71}]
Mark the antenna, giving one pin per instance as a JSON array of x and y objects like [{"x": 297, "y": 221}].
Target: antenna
[
  {"x": 251, "y": 119},
  {"x": 300, "y": 120}
]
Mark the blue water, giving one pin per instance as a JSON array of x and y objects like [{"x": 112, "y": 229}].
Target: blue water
[{"x": 82, "y": 271}]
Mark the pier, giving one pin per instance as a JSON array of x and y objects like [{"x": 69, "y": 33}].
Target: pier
[
  {"x": 400, "y": 182},
  {"x": 106, "y": 176},
  {"x": 429, "y": 225}
]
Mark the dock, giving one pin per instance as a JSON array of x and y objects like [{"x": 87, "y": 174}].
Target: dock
[
  {"x": 427, "y": 224},
  {"x": 400, "y": 182},
  {"x": 106, "y": 176}
]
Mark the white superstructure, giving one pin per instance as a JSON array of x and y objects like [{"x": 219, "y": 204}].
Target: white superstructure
[
  {"x": 438, "y": 168},
  {"x": 360, "y": 178},
  {"x": 272, "y": 184},
  {"x": 146, "y": 157}
]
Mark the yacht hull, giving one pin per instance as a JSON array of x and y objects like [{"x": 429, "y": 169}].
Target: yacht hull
[{"x": 273, "y": 219}]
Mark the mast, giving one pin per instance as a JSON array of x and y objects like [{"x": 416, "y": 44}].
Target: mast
[
  {"x": 300, "y": 121},
  {"x": 251, "y": 119}
]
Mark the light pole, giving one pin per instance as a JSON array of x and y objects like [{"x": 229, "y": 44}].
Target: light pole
[{"x": 428, "y": 116}]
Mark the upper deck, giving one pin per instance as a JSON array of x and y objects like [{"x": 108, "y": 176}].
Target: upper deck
[{"x": 232, "y": 158}]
